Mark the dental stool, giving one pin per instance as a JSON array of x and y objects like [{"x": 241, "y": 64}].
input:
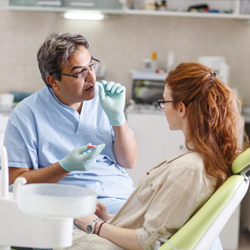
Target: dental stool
[{"x": 204, "y": 227}]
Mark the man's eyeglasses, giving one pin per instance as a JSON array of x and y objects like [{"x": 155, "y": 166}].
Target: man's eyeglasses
[
  {"x": 162, "y": 103},
  {"x": 94, "y": 64}
]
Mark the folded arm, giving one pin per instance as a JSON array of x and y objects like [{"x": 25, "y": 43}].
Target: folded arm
[
  {"x": 123, "y": 237},
  {"x": 126, "y": 238}
]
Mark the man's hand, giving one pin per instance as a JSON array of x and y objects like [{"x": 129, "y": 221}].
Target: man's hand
[
  {"x": 81, "y": 159},
  {"x": 112, "y": 97}
]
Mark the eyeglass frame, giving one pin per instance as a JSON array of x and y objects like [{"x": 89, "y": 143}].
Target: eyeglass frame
[
  {"x": 162, "y": 101},
  {"x": 92, "y": 58}
]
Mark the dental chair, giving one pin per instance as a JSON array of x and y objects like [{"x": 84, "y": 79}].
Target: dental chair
[{"x": 204, "y": 227}]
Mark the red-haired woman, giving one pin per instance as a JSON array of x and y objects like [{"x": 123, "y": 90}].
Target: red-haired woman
[{"x": 206, "y": 110}]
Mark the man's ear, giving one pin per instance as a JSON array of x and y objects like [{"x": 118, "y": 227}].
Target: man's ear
[
  {"x": 53, "y": 82},
  {"x": 182, "y": 109}
]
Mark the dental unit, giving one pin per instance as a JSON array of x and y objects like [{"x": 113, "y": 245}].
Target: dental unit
[{"x": 40, "y": 215}]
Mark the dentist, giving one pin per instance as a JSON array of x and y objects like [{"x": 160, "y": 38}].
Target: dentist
[{"x": 48, "y": 132}]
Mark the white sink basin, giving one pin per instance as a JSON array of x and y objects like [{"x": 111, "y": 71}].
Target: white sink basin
[{"x": 56, "y": 200}]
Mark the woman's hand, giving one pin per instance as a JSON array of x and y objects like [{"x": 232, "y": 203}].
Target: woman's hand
[
  {"x": 82, "y": 223},
  {"x": 101, "y": 211}
]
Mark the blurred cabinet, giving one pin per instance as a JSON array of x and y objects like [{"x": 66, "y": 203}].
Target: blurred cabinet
[
  {"x": 63, "y": 5},
  {"x": 228, "y": 8},
  {"x": 245, "y": 211},
  {"x": 35, "y": 3},
  {"x": 155, "y": 140},
  {"x": 147, "y": 92},
  {"x": 147, "y": 87},
  {"x": 229, "y": 235},
  {"x": 245, "y": 204},
  {"x": 93, "y": 4}
]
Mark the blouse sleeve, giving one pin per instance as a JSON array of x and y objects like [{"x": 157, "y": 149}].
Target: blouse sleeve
[{"x": 174, "y": 202}]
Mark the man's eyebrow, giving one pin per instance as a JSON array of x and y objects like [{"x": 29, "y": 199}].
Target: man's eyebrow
[
  {"x": 79, "y": 67},
  {"x": 76, "y": 67}
]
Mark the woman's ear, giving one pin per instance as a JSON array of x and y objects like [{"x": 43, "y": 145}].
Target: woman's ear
[
  {"x": 182, "y": 110},
  {"x": 52, "y": 81}
]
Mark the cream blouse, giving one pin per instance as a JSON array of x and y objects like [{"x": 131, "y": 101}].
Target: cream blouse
[{"x": 164, "y": 200}]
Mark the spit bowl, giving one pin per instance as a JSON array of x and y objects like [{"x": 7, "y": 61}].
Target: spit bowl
[{"x": 56, "y": 200}]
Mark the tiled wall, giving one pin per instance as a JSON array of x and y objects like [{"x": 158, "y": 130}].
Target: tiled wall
[{"x": 121, "y": 42}]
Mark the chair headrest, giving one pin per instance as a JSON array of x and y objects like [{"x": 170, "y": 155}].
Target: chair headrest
[{"x": 242, "y": 163}]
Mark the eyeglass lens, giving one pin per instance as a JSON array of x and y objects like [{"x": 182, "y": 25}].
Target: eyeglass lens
[
  {"x": 161, "y": 104},
  {"x": 94, "y": 65}
]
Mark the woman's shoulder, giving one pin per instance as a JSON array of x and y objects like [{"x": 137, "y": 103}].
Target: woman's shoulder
[
  {"x": 186, "y": 159},
  {"x": 189, "y": 164}
]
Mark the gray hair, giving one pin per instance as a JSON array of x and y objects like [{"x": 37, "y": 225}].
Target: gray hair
[{"x": 57, "y": 49}]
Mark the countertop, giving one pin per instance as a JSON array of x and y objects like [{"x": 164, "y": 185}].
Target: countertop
[{"x": 151, "y": 76}]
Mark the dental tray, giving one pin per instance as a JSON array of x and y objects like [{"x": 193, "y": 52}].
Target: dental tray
[{"x": 56, "y": 200}]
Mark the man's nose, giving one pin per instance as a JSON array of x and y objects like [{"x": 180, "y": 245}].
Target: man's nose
[{"x": 91, "y": 76}]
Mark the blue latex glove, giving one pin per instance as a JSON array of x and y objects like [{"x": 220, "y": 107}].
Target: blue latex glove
[
  {"x": 112, "y": 97},
  {"x": 76, "y": 160}
]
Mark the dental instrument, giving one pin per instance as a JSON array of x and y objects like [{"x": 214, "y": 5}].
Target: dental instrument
[{"x": 81, "y": 158}]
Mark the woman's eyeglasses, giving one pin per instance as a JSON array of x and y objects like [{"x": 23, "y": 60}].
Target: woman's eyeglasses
[{"x": 162, "y": 103}]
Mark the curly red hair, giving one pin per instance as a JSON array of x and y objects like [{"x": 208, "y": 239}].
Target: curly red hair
[{"x": 215, "y": 124}]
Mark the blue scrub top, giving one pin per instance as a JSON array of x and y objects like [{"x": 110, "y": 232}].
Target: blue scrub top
[{"x": 42, "y": 130}]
